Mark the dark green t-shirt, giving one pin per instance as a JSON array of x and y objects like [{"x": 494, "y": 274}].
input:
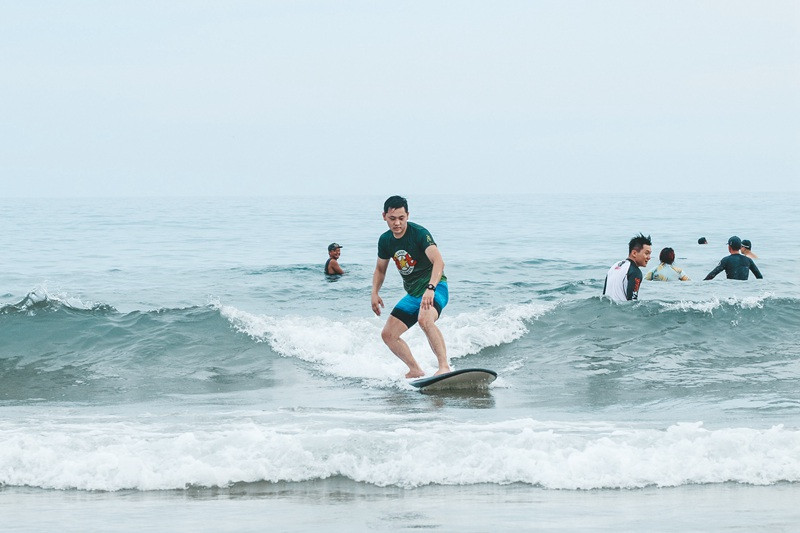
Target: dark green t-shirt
[{"x": 408, "y": 253}]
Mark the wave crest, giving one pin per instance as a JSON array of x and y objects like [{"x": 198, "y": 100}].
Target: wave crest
[
  {"x": 353, "y": 348},
  {"x": 715, "y": 303},
  {"x": 117, "y": 456},
  {"x": 41, "y": 300}
]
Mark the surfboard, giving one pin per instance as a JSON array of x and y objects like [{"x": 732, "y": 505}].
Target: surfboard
[{"x": 464, "y": 379}]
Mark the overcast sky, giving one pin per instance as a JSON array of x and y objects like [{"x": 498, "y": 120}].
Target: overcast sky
[{"x": 153, "y": 98}]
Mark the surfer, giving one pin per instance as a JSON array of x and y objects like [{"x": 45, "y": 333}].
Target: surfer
[
  {"x": 421, "y": 266},
  {"x": 332, "y": 267},
  {"x": 666, "y": 271},
  {"x": 735, "y": 265},
  {"x": 623, "y": 278},
  {"x": 747, "y": 247}
]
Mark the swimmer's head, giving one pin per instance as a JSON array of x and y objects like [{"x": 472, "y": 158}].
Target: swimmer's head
[
  {"x": 667, "y": 256},
  {"x": 638, "y": 242}
]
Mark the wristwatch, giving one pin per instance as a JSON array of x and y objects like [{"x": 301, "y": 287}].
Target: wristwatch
[{"x": 431, "y": 286}]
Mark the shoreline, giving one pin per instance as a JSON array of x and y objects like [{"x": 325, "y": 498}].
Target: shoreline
[{"x": 338, "y": 504}]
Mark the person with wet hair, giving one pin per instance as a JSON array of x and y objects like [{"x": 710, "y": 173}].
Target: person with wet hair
[
  {"x": 666, "y": 271},
  {"x": 624, "y": 277}
]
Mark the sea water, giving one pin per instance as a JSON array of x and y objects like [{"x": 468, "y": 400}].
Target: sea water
[{"x": 183, "y": 364}]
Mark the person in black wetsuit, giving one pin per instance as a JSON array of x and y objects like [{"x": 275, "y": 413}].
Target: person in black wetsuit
[
  {"x": 736, "y": 265},
  {"x": 332, "y": 267}
]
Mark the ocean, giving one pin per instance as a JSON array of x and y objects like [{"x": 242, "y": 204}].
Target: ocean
[{"x": 182, "y": 364}]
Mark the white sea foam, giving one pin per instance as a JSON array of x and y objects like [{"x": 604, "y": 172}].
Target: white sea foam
[
  {"x": 353, "y": 348},
  {"x": 116, "y": 456},
  {"x": 41, "y": 295},
  {"x": 714, "y": 303}
]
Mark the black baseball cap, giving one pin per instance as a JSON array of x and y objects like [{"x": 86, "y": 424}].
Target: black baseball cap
[
  {"x": 735, "y": 242},
  {"x": 332, "y": 246},
  {"x": 746, "y": 244}
]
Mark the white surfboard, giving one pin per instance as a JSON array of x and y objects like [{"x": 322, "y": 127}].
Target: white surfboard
[{"x": 464, "y": 379}]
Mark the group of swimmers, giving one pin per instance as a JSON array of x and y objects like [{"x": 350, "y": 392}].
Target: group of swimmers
[
  {"x": 414, "y": 252},
  {"x": 625, "y": 277}
]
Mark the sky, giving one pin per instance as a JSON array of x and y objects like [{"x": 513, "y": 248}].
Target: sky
[{"x": 339, "y": 97}]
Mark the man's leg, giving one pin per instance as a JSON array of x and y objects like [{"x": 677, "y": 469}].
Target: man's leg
[
  {"x": 391, "y": 336},
  {"x": 427, "y": 321}
]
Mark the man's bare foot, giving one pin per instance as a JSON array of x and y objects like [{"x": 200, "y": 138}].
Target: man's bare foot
[
  {"x": 442, "y": 371},
  {"x": 415, "y": 374}
]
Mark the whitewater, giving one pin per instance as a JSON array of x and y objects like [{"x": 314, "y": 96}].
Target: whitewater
[{"x": 185, "y": 363}]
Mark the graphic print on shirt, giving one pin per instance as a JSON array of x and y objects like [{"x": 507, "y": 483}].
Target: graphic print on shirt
[
  {"x": 405, "y": 263},
  {"x": 636, "y": 283}
]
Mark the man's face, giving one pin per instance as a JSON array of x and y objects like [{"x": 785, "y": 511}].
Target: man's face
[
  {"x": 335, "y": 253},
  {"x": 641, "y": 257},
  {"x": 397, "y": 219}
]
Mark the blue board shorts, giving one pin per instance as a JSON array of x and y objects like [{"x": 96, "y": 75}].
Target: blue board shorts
[{"x": 407, "y": 309}]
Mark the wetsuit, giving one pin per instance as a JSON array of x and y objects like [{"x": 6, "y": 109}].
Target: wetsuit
[
  {"x": 665, "y": 272},
  {"x": 328, "y": 262},
  {"x": 736, "y": 266},
  {"x": 623, "y": 281}
]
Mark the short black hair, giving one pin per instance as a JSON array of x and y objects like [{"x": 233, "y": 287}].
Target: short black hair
[
  {"x": 638, "y": 242},
  {"x": 667, "y": 256},
  {"x": 395, "y": 202}
]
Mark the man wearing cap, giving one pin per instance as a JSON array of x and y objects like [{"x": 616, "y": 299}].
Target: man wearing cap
[
  {"x": 332, "y": 267},
  {"x": 747, "y": 249},
  {"x": 736, "y": 265}
]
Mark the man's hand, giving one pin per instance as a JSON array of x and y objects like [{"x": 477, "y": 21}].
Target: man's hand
[
  {"x": 377, "y": 304},
  {"x": 427, "y": 299}
]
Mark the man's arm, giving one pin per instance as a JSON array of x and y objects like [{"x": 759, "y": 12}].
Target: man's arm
[
  {"x": 334, "y": 267},
  {"x": 717, "y": 269},
  {"x": 435, "y": 257},
  {"x": 634, "y": 281},
  {"x": 377, "y": 282}
]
